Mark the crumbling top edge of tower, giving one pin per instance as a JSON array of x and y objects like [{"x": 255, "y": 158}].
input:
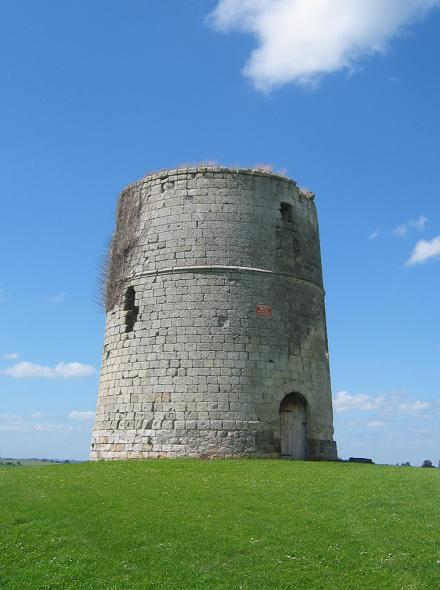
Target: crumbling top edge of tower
[{"x": 217, "y": 169}]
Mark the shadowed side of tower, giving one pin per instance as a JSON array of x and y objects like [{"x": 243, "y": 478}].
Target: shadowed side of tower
[{"x": 215, "y": 341}]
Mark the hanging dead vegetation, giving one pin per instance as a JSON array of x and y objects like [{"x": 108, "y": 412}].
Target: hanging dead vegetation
[{"x": 120, "y": 248}]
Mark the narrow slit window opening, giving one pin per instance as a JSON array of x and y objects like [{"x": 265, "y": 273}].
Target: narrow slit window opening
[
  {"x": 286, "y": 212},
  {"x": 131, "y": 310}
]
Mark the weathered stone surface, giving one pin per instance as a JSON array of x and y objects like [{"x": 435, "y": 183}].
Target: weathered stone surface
[{"x": 228, "y": 318}]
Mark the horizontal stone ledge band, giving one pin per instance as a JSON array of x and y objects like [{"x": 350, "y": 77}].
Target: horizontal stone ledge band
[{"x": 219, "y": 267}]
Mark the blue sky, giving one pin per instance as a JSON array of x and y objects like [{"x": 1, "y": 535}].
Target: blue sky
[{"x": 96, "y": 94}]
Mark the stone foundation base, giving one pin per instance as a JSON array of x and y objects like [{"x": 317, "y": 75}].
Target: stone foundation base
[
  {"x": 321, "y": 450},
  {"x": 108, "y": 445}
]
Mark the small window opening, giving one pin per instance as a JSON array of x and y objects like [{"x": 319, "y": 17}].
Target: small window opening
[
  {"x": 286, "y": 212},
  {"x": 131, "y": 310}
]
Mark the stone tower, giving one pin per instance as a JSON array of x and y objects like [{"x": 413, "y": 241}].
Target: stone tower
[{"x": 215, "y": 340}]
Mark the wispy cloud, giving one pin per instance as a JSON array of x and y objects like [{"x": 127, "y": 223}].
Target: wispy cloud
[
  {"x": 10, "y": 356},
  {"x": 374, "y": 234},
  {"x": 416, "y": 406},
  {"x": 300, "y": 40},
  {"x": 28, "y": 426},
  {"x": 376, "y": 424},
  {"x": 393, "y": 403},
  {"x": 84, "y": 415},
  {"x": 400, "y": 231},
  {"x": 23, "y": 423},
  {"x": 424, "y": 250},
  {"x": 419, "y": 224},
  {"x": 58, "y": 298},
  {"x": 10, "y": 417},
  {"x": 26, "y": 369},
  {"x": 387, "y": 427}
]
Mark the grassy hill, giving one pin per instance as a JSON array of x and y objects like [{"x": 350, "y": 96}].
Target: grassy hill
[{"x": 189, "y": 524}]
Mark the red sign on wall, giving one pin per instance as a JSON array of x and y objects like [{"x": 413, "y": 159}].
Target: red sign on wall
[{"x": 264, "y": 311}]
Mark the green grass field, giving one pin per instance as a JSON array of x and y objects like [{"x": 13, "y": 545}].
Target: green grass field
[{"x": 188, "y": 524}]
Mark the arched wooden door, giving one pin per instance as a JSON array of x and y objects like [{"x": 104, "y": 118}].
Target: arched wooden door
[{"x": 293, "y": 427}]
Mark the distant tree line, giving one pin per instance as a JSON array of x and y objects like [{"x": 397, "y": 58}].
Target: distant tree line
[
  {"x": 7, "y": 462},
  {"x": 426, "y": 463}
]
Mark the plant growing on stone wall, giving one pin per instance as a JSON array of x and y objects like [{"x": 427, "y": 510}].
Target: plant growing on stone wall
[{"x": 120, "y": 247}]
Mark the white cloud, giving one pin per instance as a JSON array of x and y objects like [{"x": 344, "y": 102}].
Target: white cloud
[
  {"x": 424, "y": 251},
  {"x": 401, "y": 230},
  {"x": 391, "y": 404},
  {"x": 344, "y": 402},
  {"x": 25, "y": 369},
  {"x": 419, "y": 223},
  {"x": 390, "y": 427},
  {"x": 376, "y": 424},
  {"x": 416, "y": 406},
  {"x": 85, "y": 415},
  {"x": 300, "y": 40},
  {"x": 11, "y": 356}
]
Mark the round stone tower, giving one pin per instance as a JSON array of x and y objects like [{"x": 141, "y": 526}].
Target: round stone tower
[{"x": 215, "y": 340}]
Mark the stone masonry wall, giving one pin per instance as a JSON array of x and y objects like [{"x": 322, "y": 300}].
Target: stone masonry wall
[{"x": 201, "y": 373}]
